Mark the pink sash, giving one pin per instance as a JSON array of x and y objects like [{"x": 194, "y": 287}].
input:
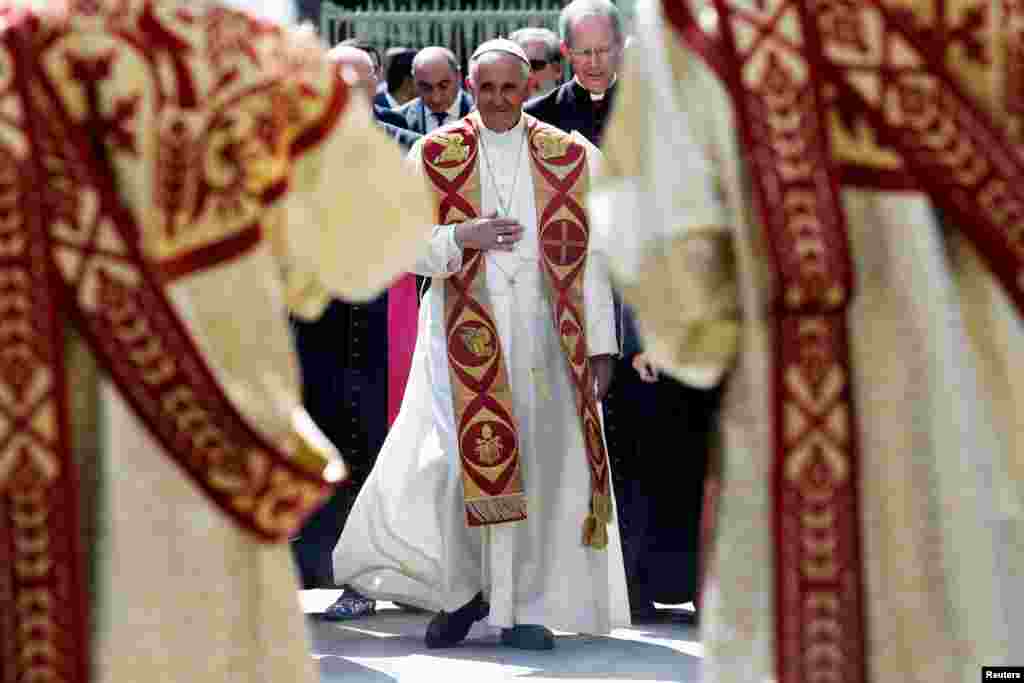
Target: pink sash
[{"x": 402, "y": 314}]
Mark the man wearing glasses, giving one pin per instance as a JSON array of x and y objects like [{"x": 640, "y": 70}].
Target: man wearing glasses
[
  {"x": 543, "y": 48},
  {"x": 591, "y": 32}
]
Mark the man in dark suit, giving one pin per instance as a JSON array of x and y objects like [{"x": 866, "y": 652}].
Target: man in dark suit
[
  {"x": 659, "y": 522},
  {"x": 394, "y": 125},
  {"x": 659, "y": 488},
  {"x": 438, "y": 78},
  {"x": 352, "y": 360}
]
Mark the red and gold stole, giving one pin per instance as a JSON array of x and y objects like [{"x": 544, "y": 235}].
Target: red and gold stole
[
  {"x": 856, "y": 93},
  {"x": 70, "y": 250},
  {"x": 482, "y": 397}
]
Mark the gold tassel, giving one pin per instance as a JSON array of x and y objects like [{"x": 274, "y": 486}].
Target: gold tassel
[
  {"x": 595, "y": 533},
  {"x": 589, "y": 526},
  {"x": 595, "y": 526},
  {"x": 601, "y": 504}
]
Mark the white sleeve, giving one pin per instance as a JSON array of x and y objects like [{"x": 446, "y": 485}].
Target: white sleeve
[
  {"x": 442, "y": 256},
  {"x": 597, "y": 288}
]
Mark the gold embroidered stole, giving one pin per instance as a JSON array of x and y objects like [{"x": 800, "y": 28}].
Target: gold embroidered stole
[
  {"x": 560, "y": 181},
  {"x": 71, "y": 251},
  {"x": 820, "y": 104},
  {"x": 486, "y": 428}
]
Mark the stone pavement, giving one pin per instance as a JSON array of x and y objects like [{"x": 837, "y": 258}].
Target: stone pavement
[{"x": 388, "y": 647}]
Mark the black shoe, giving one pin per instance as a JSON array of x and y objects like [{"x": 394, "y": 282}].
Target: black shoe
[
  {"x": 448, "y": 630},
  {"x": 686, "y": 617},
  {"x": 528, "y": 637},
  {"x": 643, "y": 613}
]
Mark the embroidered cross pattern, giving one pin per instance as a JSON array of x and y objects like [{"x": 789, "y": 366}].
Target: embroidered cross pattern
[
  {"x": 480, "y": 390},
  {"x": 564, "y": 234},
  {"x": 71, "y": 252},
  {"x": 563, "y": 242},
  {"x": 776, "y": 58},
  {"x": 919, "y": 113}
]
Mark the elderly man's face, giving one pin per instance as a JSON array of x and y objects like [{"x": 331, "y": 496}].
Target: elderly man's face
[
  {"x": 544, "y": 75},
  {"x": 436, "y": 84},
  {"x": 499, "y": 87},
  {"x": 594, "y": 53}
]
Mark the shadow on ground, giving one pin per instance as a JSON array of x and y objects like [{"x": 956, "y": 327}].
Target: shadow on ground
[{"x": 389, "y": 647}]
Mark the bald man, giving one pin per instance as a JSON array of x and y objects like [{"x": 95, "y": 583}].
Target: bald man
[{"x": 441, "y": 99}]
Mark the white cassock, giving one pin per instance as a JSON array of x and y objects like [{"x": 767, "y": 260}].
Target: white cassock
[
  {"x": 406, "y": 538},
  {"x": 939, "y": 429}
]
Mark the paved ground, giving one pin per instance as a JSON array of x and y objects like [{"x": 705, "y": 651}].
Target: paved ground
[{"x": 389, "y": 647}]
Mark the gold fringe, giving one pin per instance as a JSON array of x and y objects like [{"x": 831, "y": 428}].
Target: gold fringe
[
  {"x": 601, "y": 506},
  {"x": 595, "y": 526},
  {"x": 497, "y": 509},
  {"x": 589, "y": 525},
  {"x": 595, "y": 533}
]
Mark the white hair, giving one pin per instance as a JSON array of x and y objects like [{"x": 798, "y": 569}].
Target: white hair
[
  {"x": 492, "y": 56},
  {"x": 578, "y": 9}
]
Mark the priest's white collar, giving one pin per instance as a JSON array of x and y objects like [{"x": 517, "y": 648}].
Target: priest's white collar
[{"x": 597, "y": 96}]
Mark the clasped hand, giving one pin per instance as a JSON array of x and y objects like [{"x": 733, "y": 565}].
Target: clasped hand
[
  {"x": 645, "y": 368},
  {"x": 489, "y": 232}
]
